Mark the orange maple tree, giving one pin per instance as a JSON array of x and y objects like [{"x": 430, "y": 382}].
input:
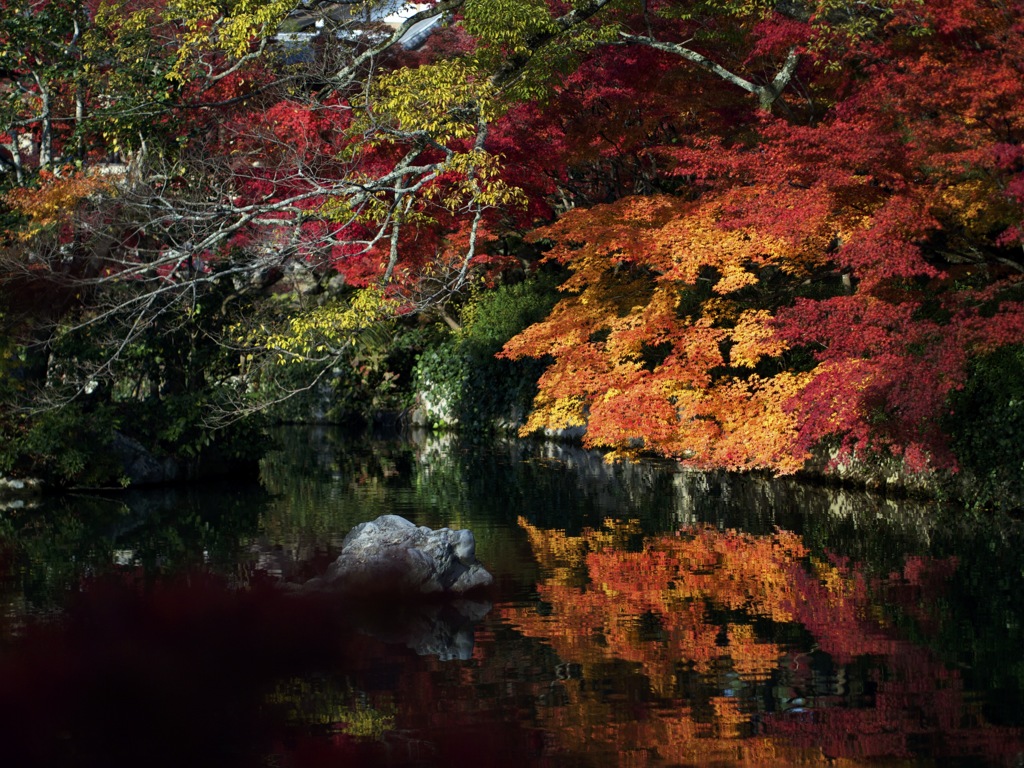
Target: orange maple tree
[
  {"x": 766, "y": 282},
  {"x": 658, "y": 346}
]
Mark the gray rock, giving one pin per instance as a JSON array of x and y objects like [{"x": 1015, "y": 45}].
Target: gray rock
[
  {"x": 393, "y": 556},
  {"x": 19, "y": 487},
  {"x": 18, "y": 494},
  {"x": 140, "y": 466}
]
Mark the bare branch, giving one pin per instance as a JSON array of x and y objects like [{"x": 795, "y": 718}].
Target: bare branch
[{"x": 766, "y": 94}]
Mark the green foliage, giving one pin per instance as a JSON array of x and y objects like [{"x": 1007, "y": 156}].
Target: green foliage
[
  {"x": 71, "y": 446},
  {"x": 65, "y": 446},
  {"x": 370, "y": 376},
  {"x": 987, "y": 427},
  {"x": 507, "y": 25},
  {"x": 170, "y": 389},
  {"x": 526, "y": 34},
  {"x": 9, "y": 353},
  {"x": 179, "y": 425},
  {"x": 125, "y": 60},
  {"x": 346, "y": 359},
  {"x": 460, "y": 382}
]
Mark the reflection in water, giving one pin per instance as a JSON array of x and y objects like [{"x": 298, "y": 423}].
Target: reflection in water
[
  {"x": 442, "y": 627},
  {"x": 750, "y": 650},
  {"x": 641, "y": 616}
]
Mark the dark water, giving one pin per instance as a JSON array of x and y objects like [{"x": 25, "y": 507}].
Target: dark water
[{"x": 641, "y": 616}]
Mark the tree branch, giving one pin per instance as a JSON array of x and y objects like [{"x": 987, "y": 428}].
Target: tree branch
[{"x": 766, "y": 94}]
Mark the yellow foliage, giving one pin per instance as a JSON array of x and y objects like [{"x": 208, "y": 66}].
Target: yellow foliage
[
  {"x": 719, "y": 310},
  {"x": 555, "y": 413},
  {"x": 506, "y": 24},
  {"x": 566, "y": 556},
  {"x": 111, "y": 19},
  {"x": 337, "y": 209},
  {"x": 753, "y": 659},
  {"x": 734, "y": 278},
  {"x": 230, "y": 26},
  {"x": 975, "y": 206},
  {"x": 328, "y": 330},
  {"x": 478, "y": 180},
  {"x": 753, "y": 338},
  {"x": 656, "y": 350},
  {"x": 446, "y": 99},
  {"x": 345, "y": 710}
]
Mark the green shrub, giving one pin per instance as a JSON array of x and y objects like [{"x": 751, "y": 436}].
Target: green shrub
[
  {"x": 373, "y": 377},
  {"x": 167, "y": 388},
  {"x": 461, "y": 383},
  {"x": 63, "y": 446},
  {"x": 987, "y": 429}
]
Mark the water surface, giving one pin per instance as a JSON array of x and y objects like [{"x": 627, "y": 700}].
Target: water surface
[{"x": 641, "y": 616}]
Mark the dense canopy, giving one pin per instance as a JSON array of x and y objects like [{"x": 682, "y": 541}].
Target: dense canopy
[{"x": 784, "y": 226}]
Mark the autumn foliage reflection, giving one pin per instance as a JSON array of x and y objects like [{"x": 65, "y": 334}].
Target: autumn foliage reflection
[{"x": 754, "y": 651}]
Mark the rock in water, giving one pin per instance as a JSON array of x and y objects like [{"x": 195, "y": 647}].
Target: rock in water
[{"x": 393, "y": 556}]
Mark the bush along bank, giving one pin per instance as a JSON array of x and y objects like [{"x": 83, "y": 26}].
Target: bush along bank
[{"x": 461, "y": 384}]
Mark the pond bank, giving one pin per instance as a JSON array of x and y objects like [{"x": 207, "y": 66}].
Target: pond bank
[
  {"x": 883, "y": 475},
  {"x": 887, "y": 479}
]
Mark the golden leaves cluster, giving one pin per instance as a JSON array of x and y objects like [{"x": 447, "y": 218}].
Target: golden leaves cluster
[
  {"x": 660, "y": 343},
  {"x": 55, "y": 200},
  {"x": 325, "y": 331},
  {"x": 507, "y": 24},
  {"x": 447, "y": 100},
  {"x": 598, "y": 584},
  {"x": 442, "y": 105}
]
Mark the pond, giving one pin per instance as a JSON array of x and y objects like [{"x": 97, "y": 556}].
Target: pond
[{"x": 641, "y": 616}]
